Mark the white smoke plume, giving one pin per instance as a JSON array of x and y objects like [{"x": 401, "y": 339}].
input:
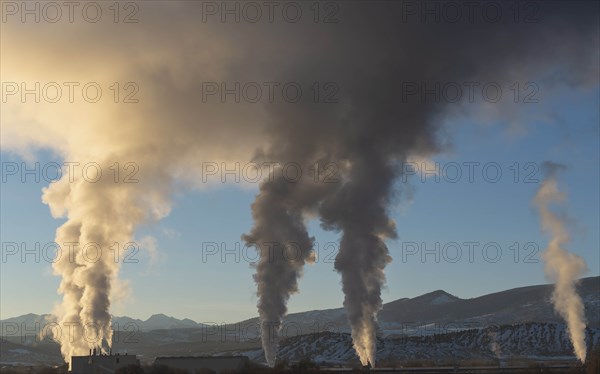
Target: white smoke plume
[
  {"x": 163, "y": 138},
  {"x": 101, "y": 218},
  {"x": 562, "y": 267}
]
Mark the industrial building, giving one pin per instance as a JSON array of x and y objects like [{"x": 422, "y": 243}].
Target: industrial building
[{"x": 97, "y": 362}]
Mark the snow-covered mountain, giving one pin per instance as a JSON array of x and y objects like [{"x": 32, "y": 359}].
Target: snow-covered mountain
[
  {"x": 437, "y": 308},
  {"x": 496, "y": 344},
  {"x": 438, "y": 311},
  {"x": 531, "y": 341},
  {"x": 519, "y": 321}
]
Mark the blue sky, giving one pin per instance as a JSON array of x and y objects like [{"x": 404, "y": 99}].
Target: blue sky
[{"x": 180, "y": 282}]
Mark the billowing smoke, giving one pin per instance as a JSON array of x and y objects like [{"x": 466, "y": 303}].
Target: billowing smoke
[
  {"x": 284, "y": 246},
  {"x": 363, "y": 253},
  {"x": 562, "y": 267},
  {"x": 279, "y": 233},
  {"x": 122, "y": 161},
  {"x": 101, "y": 218},
  {"x": 373, "y": 129},
  {"x": 351, "y": 127}
]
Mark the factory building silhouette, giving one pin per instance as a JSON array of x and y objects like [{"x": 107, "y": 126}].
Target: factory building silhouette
[{"x": 96, "y": 363}]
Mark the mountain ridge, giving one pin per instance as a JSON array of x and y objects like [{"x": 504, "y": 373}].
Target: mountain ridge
[
  {"x": 437, "y": 305},
  {"x": 497, "y": 326}
]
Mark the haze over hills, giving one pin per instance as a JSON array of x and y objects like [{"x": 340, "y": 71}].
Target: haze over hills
[{"x": 530, "y": 341}]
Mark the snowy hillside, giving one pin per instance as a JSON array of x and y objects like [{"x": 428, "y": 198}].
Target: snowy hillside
[
  {"x": 436, "y": 325},
  {"x": 533, "y": 341}
]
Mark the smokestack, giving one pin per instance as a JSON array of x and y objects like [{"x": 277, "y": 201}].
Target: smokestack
[{"x": 562, "y": 267}]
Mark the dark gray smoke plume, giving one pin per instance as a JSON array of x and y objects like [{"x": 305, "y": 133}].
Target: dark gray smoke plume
[
  {"x": 285, "y": 246},
  {"x": 371, "y": 54}
]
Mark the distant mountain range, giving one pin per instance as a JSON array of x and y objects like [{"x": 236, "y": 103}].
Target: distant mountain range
[
  {"x": 155, "y": 322},
  {"x": 441, "y": 310},
  {"x": 466, "y": 323},
  {"x": 517, "y": 305}
]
